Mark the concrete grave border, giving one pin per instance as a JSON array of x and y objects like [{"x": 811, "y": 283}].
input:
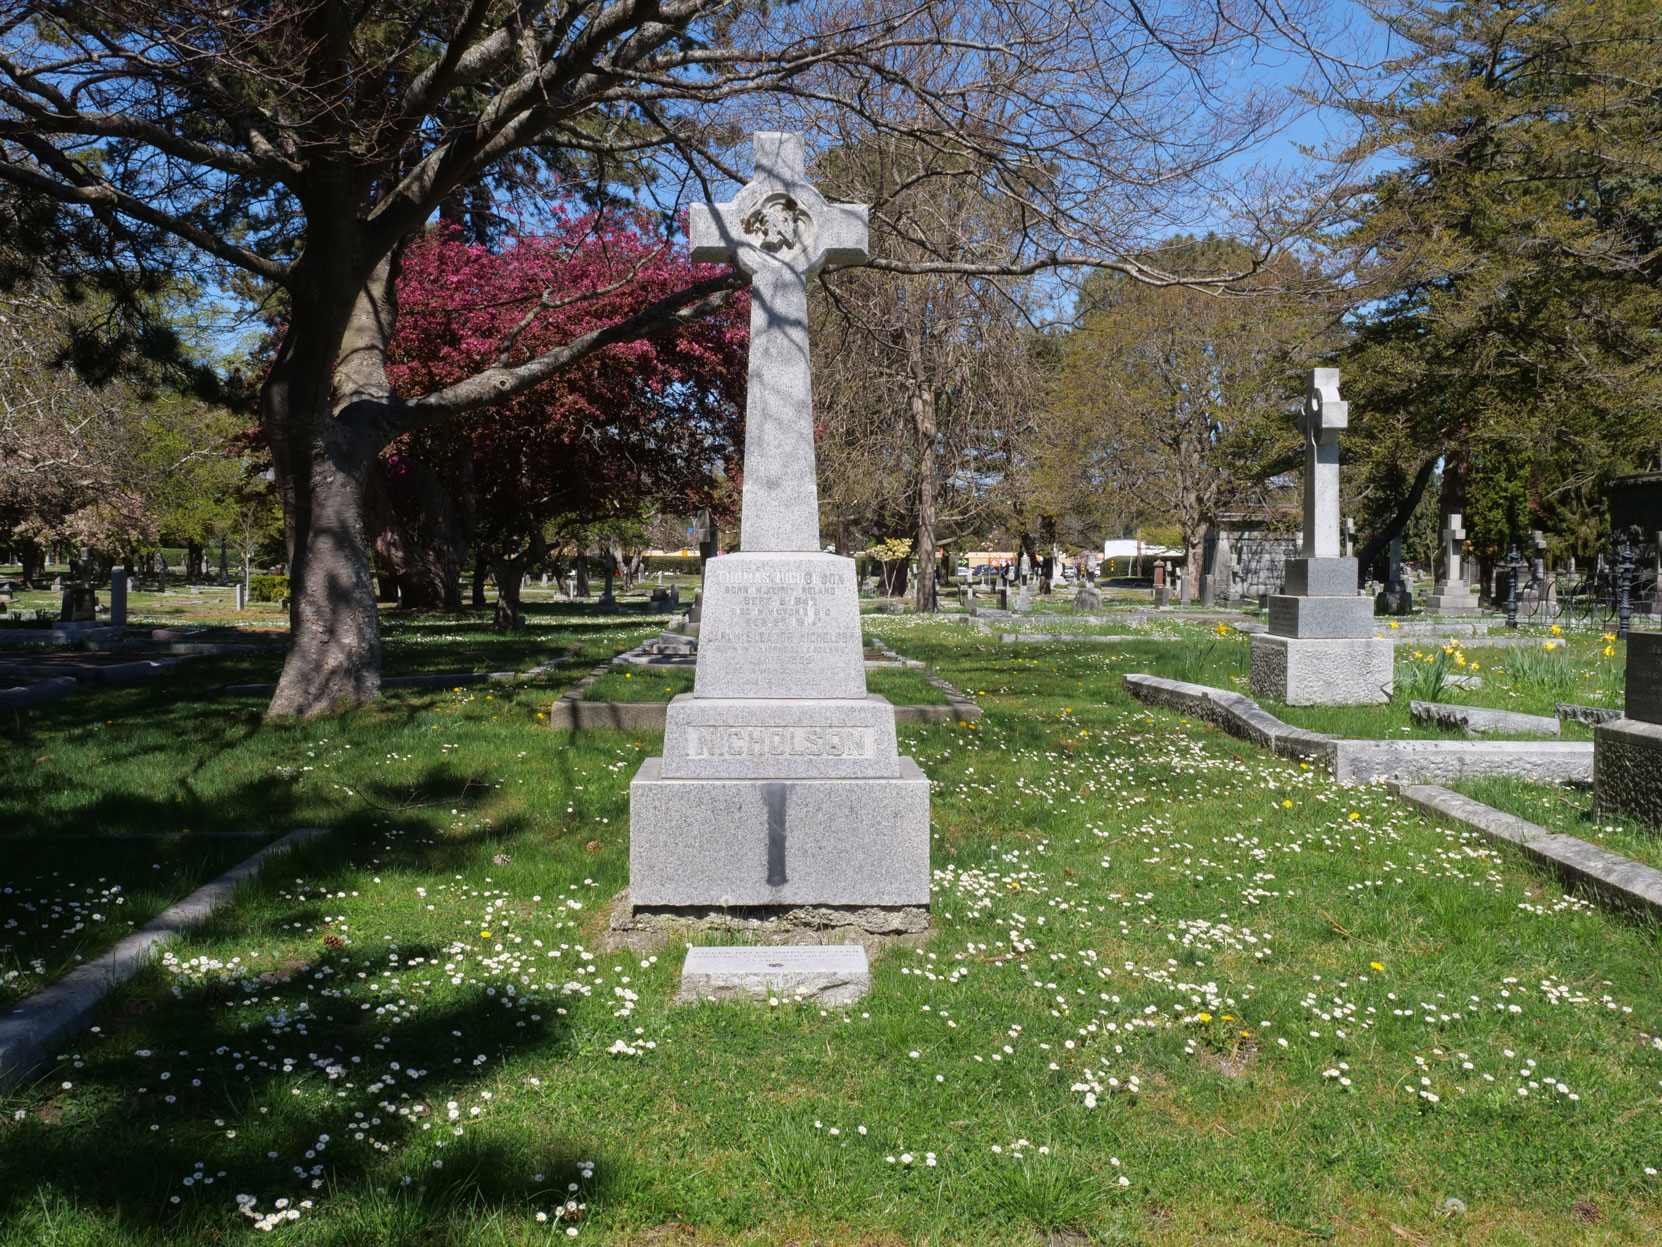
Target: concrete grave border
[
  {"x": 32, "y": 1028},
  {"x": 1613, "y": 881},
  {"x": 49, "y": 689},
  {"x": 571, "y": 713},
  {"x": 1362, "y": 761},
  {"x": 114, "y": 673},
  {"x": 442, "y": 680}
]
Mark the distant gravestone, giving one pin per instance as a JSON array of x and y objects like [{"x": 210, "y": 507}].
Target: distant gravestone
[
  {"x": 781, "y": 785},
  {"x": 1395, "y": 598},
  {"x": 118, "y": 597},
  {"x": 1087, "y": 600},
  {"x": 1320, "y": 648},
  {"x": 1453, "y": 596}
]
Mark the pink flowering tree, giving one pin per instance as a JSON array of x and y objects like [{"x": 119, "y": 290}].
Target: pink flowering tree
[{"x": 641, "y": 425}]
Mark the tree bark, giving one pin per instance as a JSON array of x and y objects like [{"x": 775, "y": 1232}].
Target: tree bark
[
  {"x": 428, "y": 562},
  {"x": 509, "y": 571},
  {"x": 1194, "y": 546},
  {"x": 924, "y": 425},
  {"x": 334, "y": 656},
  {"x": 319, "y": 406}
]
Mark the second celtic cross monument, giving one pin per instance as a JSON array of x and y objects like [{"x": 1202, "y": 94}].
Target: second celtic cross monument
[{"x": 781, "y": 787}]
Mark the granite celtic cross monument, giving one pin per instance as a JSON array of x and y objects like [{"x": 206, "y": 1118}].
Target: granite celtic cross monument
[
  {"x": 781, "y": 787},
  {"x": 1320, "y": 648}
]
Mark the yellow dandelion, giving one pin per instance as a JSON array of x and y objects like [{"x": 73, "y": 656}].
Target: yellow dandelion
[
  {"x": 1288, "y": 803},
  {"x": 1354, "y": 815},
  {"x": 1375, "y": 965}
]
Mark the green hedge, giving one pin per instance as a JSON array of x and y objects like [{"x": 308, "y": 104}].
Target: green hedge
[
  {"x": 687, "y": 566},
  {"x": 267, "y": 588}
]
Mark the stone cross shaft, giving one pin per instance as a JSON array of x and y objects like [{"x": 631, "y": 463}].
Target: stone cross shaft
[
  {"x": 1321, "y": 420},
  {"x": 781, "y": 231},
  {"x": 1453, "y": 535}
]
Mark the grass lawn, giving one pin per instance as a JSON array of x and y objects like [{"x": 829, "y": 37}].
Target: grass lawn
[
  {"x": 902, "y": 687},
  {"x": 63, "y": 901},
  {"x": 1177, "y": 992}
]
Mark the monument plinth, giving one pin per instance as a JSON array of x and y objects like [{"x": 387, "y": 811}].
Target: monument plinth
[
  {"x": 781, "y": 785},
  {"x": 1321, "y": 649}
]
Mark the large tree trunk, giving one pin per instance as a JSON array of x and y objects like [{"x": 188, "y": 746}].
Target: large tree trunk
[
  {"x": 32, "y": 561},
  {"x": 509, "y": 572},
  {"x": 322, "y": 451},
  {"x": 924, "y": 425},
  {"x": 427, "y": 560}
]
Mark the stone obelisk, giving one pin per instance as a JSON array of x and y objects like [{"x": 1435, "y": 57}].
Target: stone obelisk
[{"x": 781, "y": 786}]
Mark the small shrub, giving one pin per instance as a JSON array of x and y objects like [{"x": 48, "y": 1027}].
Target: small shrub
[
  {"x": 674, "y": 563},
  {"x": 268, "y": 588}
]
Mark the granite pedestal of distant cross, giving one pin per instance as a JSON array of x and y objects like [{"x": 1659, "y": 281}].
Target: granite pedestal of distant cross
[
  {"x": 781, "y": 792},
  {"x": 1321, "y": 649},
  {"x": 1627, "y": 752}
]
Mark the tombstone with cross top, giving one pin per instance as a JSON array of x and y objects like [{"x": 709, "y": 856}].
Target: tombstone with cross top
[
  {"x": 781, "y": 786},
  {"x": 1321, "y": 647},
  {"x": 1453, "y": 596}
]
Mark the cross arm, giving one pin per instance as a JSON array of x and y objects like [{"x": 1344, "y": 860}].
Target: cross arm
[
  {"x": 845, "y": 234},
  {"x": 713, "y": 232}
]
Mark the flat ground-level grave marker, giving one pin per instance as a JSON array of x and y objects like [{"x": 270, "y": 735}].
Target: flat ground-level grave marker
[{"x": 827, "y": 974}]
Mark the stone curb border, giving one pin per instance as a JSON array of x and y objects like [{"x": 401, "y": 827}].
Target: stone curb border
[
  {"x": 31, "y": 1029},
  {"x": 1362, "y": 761},
  {"x": 49, "y": 689},
  {"x": 114, "y": 673},
  {"x": 442, "y": 680},
  {"x": 571, "y": 713},
  {"x": 1039, "y": 638},
  {"x": 1614, "y": 881},
  {"x": 131, "y": 837}
]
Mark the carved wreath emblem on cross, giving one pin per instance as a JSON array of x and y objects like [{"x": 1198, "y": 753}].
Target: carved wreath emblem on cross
[{"x": 776, "y": 224}]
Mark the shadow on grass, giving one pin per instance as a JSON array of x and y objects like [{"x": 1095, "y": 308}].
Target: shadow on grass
[{"x": 236, "y": 1048}]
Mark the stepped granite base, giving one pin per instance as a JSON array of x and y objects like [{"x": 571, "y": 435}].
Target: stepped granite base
[
  {"x": 737, "y": 843},
  {"x": 1321, "y": 671}
]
